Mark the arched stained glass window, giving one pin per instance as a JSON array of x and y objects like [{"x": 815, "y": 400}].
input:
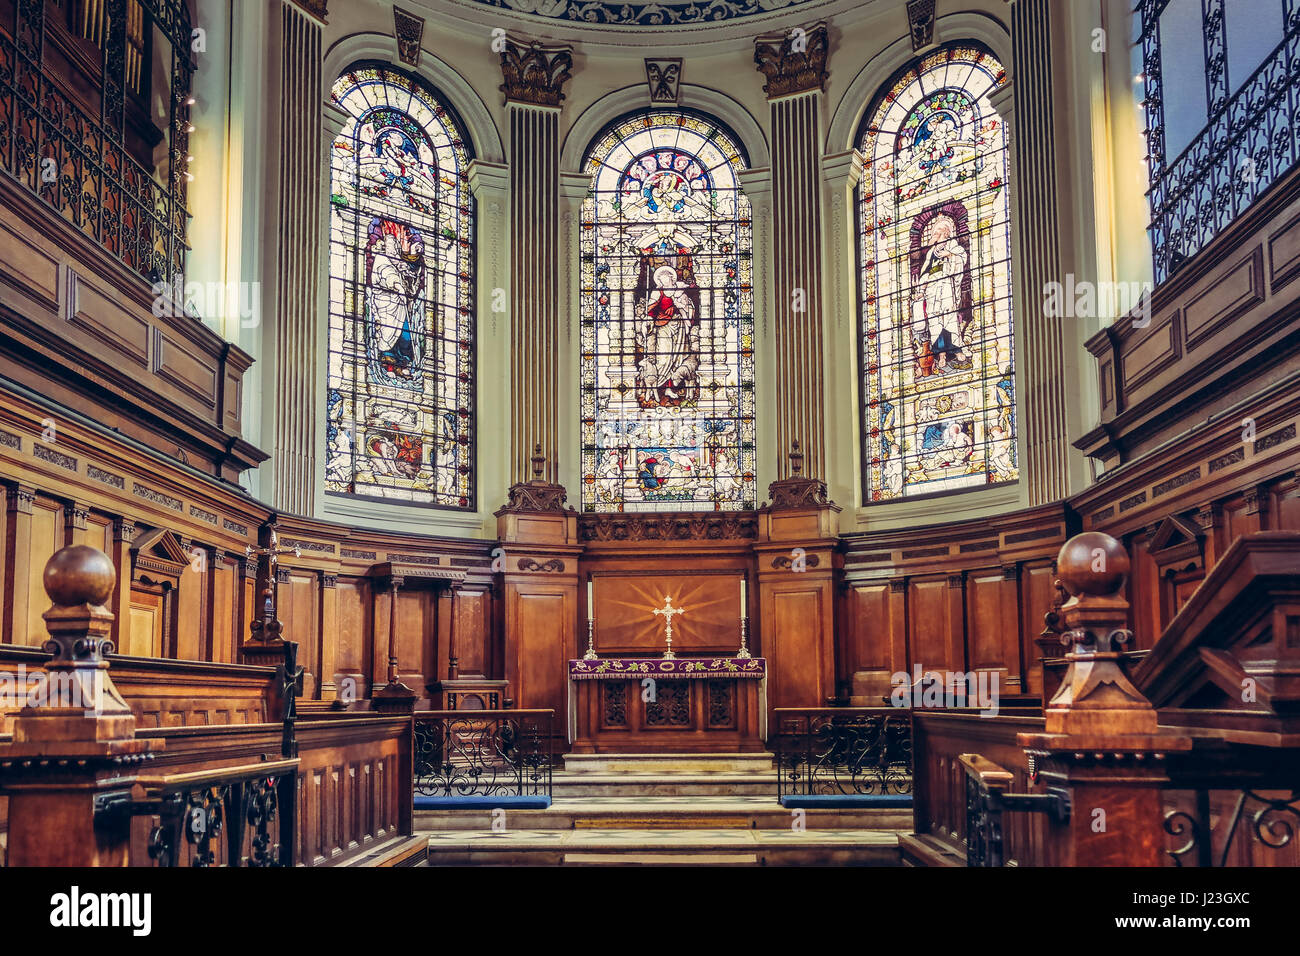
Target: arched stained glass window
[
  {"x": 938, "y": 380},
  {"x": 400, "y": 402},
  {"x": 667, "y": 320}
]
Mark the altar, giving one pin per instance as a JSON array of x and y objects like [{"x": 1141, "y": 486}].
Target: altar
[{"x": 667, "y": 705}]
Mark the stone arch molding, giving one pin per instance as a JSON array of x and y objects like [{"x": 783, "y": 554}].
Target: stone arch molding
[
  {"x": 613, "y": 105},
  {"x": 462, "y": 97},
  {"x": 842, "y": 132}
]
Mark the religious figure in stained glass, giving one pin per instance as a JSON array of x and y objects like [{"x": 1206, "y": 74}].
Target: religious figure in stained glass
[
  {"x": 667, "y": 363},
  {"x": 399, "y": 422},
  {"x": 937, "y": 347}
]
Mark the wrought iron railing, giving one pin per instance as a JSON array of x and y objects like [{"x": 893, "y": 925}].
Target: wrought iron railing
[
  {"x": 1248, "y": 143},
  {"x": 843, "y": 750},
  {"x": 80, "y": 163},
  {"x": 486, "y": 753},
  {"x": 1206, "y": 834},
  {"x": 254, "y": 806},
  {"x": 987, "y": 799}
]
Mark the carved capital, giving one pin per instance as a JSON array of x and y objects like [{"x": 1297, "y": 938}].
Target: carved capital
[
  {"x": 123, "y": 531},
  {"x": 74, "y": 516},
  {"x": 793, "y": 62},
  {"x": 19, "y": 499},
  {"x": 534, "y": 74}
]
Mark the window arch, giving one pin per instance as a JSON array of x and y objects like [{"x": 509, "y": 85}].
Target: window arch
[
  {"x": 667, "y": 318},
  {"x": 938, "y": 378},
  {"x": 400, "y": 382}
]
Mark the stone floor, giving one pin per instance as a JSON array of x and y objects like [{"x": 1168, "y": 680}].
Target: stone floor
[{"x": 693, "y": 846}]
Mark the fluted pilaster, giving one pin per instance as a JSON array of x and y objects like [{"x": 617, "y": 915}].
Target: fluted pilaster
[
  {"x": 534, "y": 78},
  {"x": 1043, "y": 424},
  {"x": 794, "y": 65},
  {"x": 297, "y": 319}
]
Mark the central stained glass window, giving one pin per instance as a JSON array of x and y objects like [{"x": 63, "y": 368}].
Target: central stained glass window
[
  {"x": 667, "y": 319},
  {"x": 400, "y": 400},
  {"x": 938, "y": 381}
]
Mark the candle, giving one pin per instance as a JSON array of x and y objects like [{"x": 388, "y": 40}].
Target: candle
[
  {"x": 744, "y": 609},
  {"x": 589, "y": 616}
]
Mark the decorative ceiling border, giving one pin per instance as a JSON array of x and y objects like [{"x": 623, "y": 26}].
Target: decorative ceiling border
[{"x": 666, "y": 13}]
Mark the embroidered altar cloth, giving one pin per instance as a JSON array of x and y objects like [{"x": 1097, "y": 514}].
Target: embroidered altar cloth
[{"x": 703, "y": 668}]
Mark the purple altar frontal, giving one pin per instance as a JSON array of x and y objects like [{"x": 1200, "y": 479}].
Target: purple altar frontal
[{"x": 685, "y": 668}]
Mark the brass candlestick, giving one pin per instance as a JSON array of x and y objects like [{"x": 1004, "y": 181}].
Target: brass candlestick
[
  {"x": 743, "y": 654},
  {"x": 591, "y": 641}
]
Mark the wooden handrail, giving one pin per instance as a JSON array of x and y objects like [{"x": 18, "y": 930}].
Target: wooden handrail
[
  {"x": 157, "y": 785},
  {"x": 985, "y": 772}
]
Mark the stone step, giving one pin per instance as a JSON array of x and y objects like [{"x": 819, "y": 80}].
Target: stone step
[
  {"x": 624, "y": 784},
  {"x": 687, "y": 847},
  {"x": 691, "y": 764},
  {"x": 667, "y": 813}
]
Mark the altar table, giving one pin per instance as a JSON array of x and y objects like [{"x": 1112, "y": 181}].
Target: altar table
[{"x": 651, "y": 705}]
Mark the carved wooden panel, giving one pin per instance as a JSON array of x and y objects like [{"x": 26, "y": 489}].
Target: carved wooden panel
[{"x": 626, "y": 623}]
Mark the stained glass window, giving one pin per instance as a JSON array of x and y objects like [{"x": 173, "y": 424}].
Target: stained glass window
[
  {"x": 938, "y": 380},
  {"x": 400, "y": 401},
  {"x": 667, "y": 319}
]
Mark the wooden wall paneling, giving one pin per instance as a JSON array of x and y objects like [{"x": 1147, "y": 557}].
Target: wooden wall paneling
[
  {"x": 1037, "y": 592},
  {"x": 957, "y": 652},
  {"x": 47, "y": 534},
  {"x": 870, "y": 659},
  {"x": 992, "y": 629},
  {"x": 220, "y": 609},
  {"x": 328, "y": 637},
  {"x": 798, "y": 640},
  {"x": 539, "y": 622},
  {"x": 192, "y": 594},
  {"x": 473, "y": 628},
  {"x": 1284, "y": 505},
  {"x": 1144, "y": 592},
  {"x": 18, "y": 545},
  {"x": 298, "y": 606},
  {"x": 929, "y": 620},
  {"x": 354, "y": 645}
]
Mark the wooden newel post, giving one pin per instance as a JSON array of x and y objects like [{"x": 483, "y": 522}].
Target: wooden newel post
[
  {"x": 74, "y": 753},
  {"x": 1102, "y": 745}
]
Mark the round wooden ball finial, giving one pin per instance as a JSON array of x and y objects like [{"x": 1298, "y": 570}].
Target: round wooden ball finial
[
  {"x": 1092, "y": 563},
  {"x": 79, "y": 575}
]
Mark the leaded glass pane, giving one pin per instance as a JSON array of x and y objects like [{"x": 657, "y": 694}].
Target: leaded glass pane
[
  {"x": 400, "y": 401},
  {"x": 937, "y": 350},
  {"x": 667, "y": 319}
]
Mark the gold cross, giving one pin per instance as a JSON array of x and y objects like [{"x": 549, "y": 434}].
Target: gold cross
[{"x": 669, "y": 612}]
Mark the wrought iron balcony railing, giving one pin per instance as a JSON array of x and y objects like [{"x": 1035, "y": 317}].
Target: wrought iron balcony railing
[
  {"x": 1249, "y": 142},
  {"x": 488, "y": 753},
  {"x": 83, "y": 165},
  {"x": 843, "y": 750}
]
